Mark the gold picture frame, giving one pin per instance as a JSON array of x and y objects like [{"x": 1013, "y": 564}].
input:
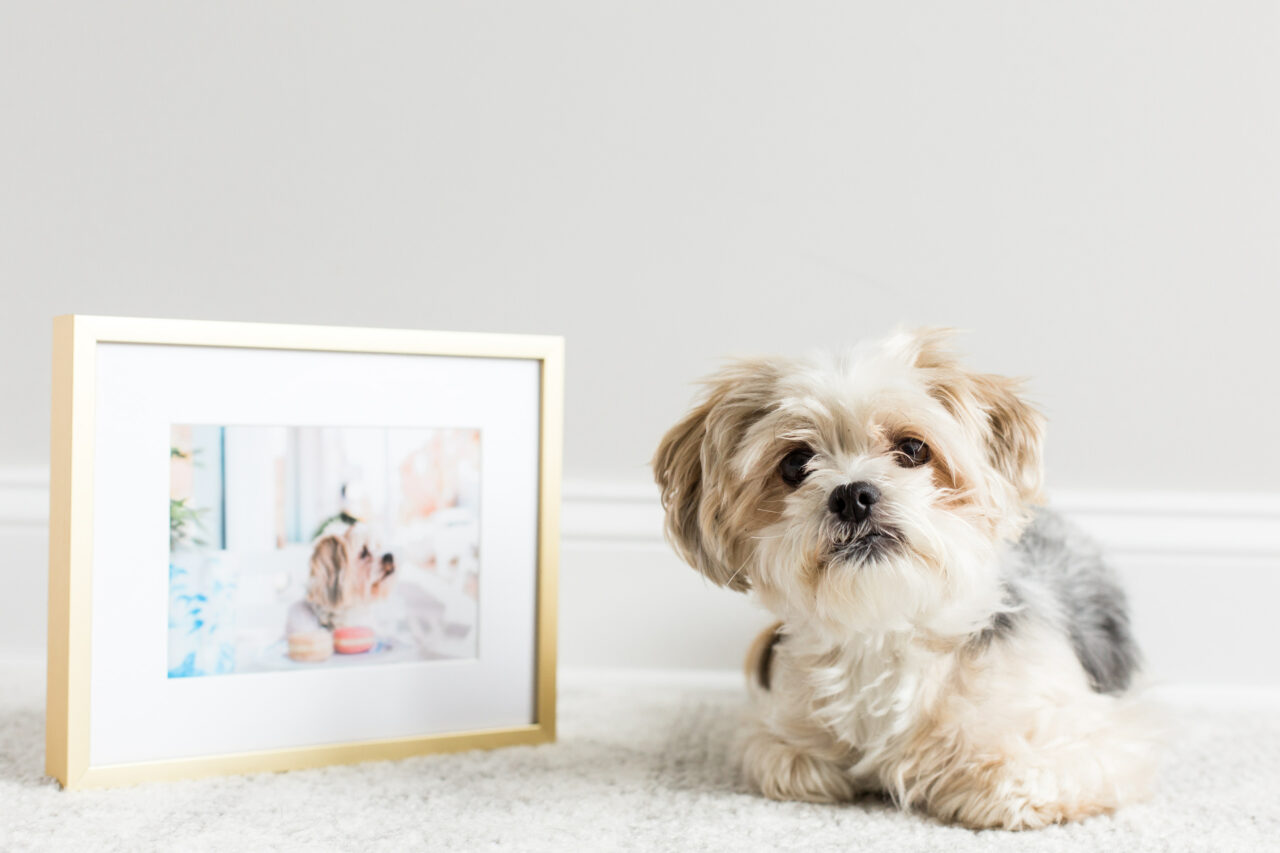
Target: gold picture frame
[{"x": 76, "y": 339}]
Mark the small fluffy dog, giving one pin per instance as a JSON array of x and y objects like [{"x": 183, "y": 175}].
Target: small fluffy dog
[
  {"x": 942, "y": 639},
  {"x": 347, "y": 574}
]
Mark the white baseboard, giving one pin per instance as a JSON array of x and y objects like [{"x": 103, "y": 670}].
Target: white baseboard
[
  {"x": 600, "y": 514},
  {"x": 1129, "y": 523},
  {"x": 1202, "y": 571},
  {"x": 24, "y": 496}
]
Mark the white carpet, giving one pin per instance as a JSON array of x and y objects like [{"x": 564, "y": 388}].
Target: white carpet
[{"x": 642, "y": 764}]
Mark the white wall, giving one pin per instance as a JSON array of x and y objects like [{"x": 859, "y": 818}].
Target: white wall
[{"x": 1092, "y": 187}]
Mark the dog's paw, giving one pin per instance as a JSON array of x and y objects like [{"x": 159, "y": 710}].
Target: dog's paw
[
  {"x": 780, "y": 771},
  {"x": 1020, "y": 797},
  {"x": 1019, "y": 813}
]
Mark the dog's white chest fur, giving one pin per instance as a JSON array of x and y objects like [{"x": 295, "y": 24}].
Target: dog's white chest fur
[{"x": 869, "y": 693}]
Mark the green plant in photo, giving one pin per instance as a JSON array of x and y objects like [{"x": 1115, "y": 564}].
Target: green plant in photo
[{"x": 184, "y": 519}]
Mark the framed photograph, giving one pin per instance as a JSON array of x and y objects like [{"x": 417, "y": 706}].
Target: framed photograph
[{"x": 275, "y": 547}]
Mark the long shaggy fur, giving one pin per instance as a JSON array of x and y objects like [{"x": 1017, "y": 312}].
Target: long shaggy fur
[
  {"x": 954, "y": 644},
  {"x": 344, "y": 573}
]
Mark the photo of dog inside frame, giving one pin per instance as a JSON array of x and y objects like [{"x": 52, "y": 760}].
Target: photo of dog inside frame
[{"x": 942, "y": 638}]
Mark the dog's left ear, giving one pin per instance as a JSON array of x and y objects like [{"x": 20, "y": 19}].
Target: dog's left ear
[
  {"x": 1013, "y": 429},
  {"x": 1016, "y": 430}
]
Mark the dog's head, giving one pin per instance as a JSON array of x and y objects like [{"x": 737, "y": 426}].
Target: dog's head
[
  {"x": 347, "y": 570},
  {"x": 866, "y": 490}
]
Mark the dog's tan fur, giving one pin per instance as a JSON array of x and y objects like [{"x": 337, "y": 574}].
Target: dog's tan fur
[{"x": 344, "y": 573}]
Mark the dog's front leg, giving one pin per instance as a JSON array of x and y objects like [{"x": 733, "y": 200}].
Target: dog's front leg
[{"x": 1042, "y": 765}]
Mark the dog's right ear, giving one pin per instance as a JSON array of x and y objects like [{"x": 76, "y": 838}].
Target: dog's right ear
[{"x": 693, "y": 457}]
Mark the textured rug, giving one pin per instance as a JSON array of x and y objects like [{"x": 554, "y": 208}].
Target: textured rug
[{"x": 643, "y": 763}]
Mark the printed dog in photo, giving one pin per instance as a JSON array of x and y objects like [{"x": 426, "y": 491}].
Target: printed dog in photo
[
  {"x": 941, "y": 637},
  {"x": 348, "y": 574}
]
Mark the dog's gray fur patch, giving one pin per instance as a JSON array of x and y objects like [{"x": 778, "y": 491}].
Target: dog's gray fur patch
[
  {"x": 1056, "y": 576},
  {"x": 1003, "y": 621}
]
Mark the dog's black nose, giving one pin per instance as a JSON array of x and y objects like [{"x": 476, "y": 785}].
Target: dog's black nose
[{"x": 853, "y": 501}]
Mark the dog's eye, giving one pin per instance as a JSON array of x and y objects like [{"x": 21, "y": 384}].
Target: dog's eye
[
  {"x": 793, "y": 465},
  {"x": 912, "y": 452}
]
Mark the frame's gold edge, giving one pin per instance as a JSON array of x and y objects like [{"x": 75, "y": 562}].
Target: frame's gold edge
[
  {"x": 57, "y": 677},
  {"x": 550, "y": 460},
  {"x": 140, "y": 330},
  {"x": 70, "y": 551},
  {"x": 305, "y": 757}
]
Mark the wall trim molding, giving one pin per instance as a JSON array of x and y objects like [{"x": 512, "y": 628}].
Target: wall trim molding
[
  {"x": 24, "y": 496},
  {"x": 627, "y": 514},
  {"x": 1216, "y": 524}
]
